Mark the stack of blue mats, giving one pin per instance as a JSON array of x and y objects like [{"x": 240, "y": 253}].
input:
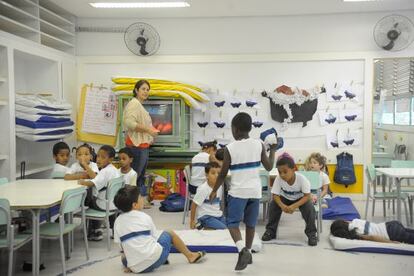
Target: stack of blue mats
[
  {"x": 42, "y": 118},
  {"x": 340, "y": 208}
]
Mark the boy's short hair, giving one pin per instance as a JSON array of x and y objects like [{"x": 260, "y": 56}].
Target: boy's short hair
[
  {"x": 59, "y": 146},
  {"x": 125, "y": 197},
  {"x": 109, "y": 150},
  {"x": 285, "y": 159},
  {"x": 126, "y": 151},
  {"x": 211, "y": 165},
  {"x": 242, "y": 122},
  {"x": 219, "y": 154},
  {"x": 211, "y": 144}
]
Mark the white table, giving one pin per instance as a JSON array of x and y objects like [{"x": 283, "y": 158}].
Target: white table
[
  {"x": 398, "y": 174},
  {"x": 35, "y": 195}
]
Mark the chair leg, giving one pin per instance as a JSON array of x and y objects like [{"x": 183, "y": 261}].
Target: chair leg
[
  {"x": 186, "y": 203},
  {"x": 11, "y": 261},
  {"x": 108, "y": 233},
  {"x": 264, "y": 211},
  {"x": 85, "y": 238},
  {"x": 406, "y": 212},
  {"x": 62, "y": 253},
  {"x": 366, "y": 208},
  {"x": 384, "y": 208},
  {"x": 373, "y": 207}
]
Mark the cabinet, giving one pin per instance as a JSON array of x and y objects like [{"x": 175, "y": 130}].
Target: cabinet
[
  {"x": 40, "y": 21},
  {"x": 30, "y": 68}
]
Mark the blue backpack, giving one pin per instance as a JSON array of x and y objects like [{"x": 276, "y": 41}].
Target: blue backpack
[
  {"x": 173, "y": 203},
  {"x": 344, "y": 172}
]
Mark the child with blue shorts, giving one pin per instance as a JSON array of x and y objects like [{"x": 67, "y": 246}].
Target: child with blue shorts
[
  {"x": 243, "y": 157},
  {"x": 142, "y": 249}
]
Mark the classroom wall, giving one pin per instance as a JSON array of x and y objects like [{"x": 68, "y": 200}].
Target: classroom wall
[{"x": 389, "y": 136}]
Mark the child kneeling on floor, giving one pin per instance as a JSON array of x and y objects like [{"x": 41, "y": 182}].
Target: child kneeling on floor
[
  {"x": 290, "y": 191},
  {"x": 143, "y": 250},
  {"x": 358, "y": 229},
  {"x": 209, "y": 215}
]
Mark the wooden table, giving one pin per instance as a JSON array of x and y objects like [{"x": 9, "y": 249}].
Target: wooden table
[
  {"x": 35, "y": 195},
  {"x": 398, "y": 174}
]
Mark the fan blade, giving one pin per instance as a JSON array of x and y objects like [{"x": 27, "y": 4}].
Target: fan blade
[{"x": 389, "y": 46}]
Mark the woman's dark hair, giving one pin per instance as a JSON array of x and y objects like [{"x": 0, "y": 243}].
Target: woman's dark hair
[
  {"x": 109, "y": 150},
  {"x": 211, "y": 144},
  {"x": 220, "y": 154},
  {"x": 125, "y": 197},
  {"x": 210, "y": 166},
  {"x": 285, "y": 159},
  {"x": 138, "y": 86},
  {"x": 126, "y": 151},
  {"x": 340, "y": 229}
]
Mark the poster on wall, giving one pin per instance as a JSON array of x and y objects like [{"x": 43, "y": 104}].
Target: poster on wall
[{"x": 101, "y": 111}]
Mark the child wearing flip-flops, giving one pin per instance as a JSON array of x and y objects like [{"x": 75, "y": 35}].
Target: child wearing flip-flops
[{"x": 143, "y": 250}]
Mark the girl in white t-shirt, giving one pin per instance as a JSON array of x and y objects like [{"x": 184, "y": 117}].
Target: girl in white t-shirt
[
  {"x": 317, "y": 162},
  {"x": 84, "y": 168},
  {"x": 358, "y": 229}
]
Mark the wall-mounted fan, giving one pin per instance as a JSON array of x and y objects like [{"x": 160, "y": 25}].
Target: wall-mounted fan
[
  {"x": 142, "y": 39},
  {"x": 394, "y": 32}
]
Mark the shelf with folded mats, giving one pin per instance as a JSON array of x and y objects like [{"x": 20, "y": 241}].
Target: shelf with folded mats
[
  {"x": 54, "y": 42},
  {"x": 33, "y": 168},
  {"x": 54, "y": 18}
]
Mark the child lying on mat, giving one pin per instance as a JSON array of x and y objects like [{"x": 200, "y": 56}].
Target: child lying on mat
[
  {"x": 358, "y": 229},
  {"x": 142, "y": 250},
  {"x": 209, "y": 215}
]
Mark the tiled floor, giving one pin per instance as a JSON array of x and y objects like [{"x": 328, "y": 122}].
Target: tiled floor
[{"x": 273, "y": 260}]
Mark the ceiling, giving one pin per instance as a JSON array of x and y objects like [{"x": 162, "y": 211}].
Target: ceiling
[{"x": 231, "y": 8}]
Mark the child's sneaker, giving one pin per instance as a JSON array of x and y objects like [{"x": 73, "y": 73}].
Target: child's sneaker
[
  {"x": 268, "y": 235},
  {"x": 95, "y": 236},
  {"x": 245, "y": 258},
  {"x": 312, "y": 240}
]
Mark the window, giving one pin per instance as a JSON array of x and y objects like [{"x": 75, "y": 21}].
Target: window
[
  {"x": 402, "y": 111},
  {"x": 388, "y": 113}
]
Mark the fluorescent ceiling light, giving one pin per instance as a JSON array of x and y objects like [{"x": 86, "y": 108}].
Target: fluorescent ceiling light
[{"x": 134, "y": 5}]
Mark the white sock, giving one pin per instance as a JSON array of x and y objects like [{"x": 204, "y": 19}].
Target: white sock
[{"x": 240, "y": 245}]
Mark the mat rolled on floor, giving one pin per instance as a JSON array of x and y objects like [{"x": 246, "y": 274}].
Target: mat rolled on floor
[{"x": 340, "y": 208}]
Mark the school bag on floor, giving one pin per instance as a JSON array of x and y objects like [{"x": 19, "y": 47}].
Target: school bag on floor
[
  {"x": 344, "y": 172},
  {"x": 173, "y": 203}
]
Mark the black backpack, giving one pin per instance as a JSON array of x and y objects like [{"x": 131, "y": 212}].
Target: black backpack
[{"x": 344, "y": 172}]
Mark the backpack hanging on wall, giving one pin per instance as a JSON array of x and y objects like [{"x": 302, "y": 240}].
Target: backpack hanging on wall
[
  {"x": 344, "y": 172},
  {"x": 400, "y": 152}
]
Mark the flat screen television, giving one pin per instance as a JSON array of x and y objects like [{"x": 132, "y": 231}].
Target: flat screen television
[{"x": 169, "y": 116}]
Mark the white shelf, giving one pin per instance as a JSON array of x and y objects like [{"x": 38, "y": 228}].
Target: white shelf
[
  {"x": 50, "y": 16},
  {"x": 51, "y": 29},
  {"x": 4, "y": 157},
  {"x": 32, "y": 168},
  {"x": 54, "y": 42},
  {"x": 15, "y": 12},
  {"x": 12, "y": 26}
]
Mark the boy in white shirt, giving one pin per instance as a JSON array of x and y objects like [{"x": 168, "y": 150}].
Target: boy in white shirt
[
  {"x": 61, "y": 154},
  {"x": 243, "y": 157},
  {"x": 125, "y": 160},
  {"x": 209, "y": 214},
  {"x": 198, "y": 163},
  {"x": 290, "y": 191},
  {"x": 143, "y": 250},
  {"x": 97, "y": 192},
  {"x": 83, "y": 168}
]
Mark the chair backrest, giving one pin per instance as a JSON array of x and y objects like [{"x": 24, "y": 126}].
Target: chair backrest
[
  {"x": 57, "y": 175},
  {"x": 187, "y": 174},
  {"x": 313, "y": 178},
  {"x": 264, "y": 179},
  {"x": 402, "y": 164},
  {"x": 3, "y": 180},
  {"x": 4, "y": 212},
  {"x": 72, "y": 200},
  {"x": 114, "y": 186},
  {"x": 371, "y": 173}
]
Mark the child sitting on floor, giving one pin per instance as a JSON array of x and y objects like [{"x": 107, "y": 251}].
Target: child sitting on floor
[
  {"x": 358, "y": 229},
  {"x": 290, "y": 191},
  {"x": 125, "y": 160},
  {"x": 209, "y": 215},
  {"x": 317, "y": 162},
  {"x": 198, "y": 162},
  {"x": 97, "y": 193},
  {"x": 142, "y": 249},
  {"x": 61, "y": 154},
  {"x": 83, "y": 168}
]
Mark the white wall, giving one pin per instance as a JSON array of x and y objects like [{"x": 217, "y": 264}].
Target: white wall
[
  {"x": 389, "y": 136},
  {"x": 241, "y": 35}
]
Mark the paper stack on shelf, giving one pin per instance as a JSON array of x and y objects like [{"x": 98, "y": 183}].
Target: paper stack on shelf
[{"x": 42, "y": 118}]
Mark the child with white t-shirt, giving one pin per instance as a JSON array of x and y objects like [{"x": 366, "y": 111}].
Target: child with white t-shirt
[
  {"x": 358, "y": 229},
  {"x": 209, "y": 214},
  {"x": 83, "y": 168},
  {"x": 198, "y": 163},
  {"x": 317, "y": 162},
  {"x": 61, "y": 154},
  {"x": 290, "y": 191},
  {"x": 142, "y": 248},
  {"x": 125, "y": 160},
  {"x": 96, "y": 198}
]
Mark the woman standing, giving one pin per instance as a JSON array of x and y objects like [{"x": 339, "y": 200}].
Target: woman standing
[{"x": 140, "y": 132}]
